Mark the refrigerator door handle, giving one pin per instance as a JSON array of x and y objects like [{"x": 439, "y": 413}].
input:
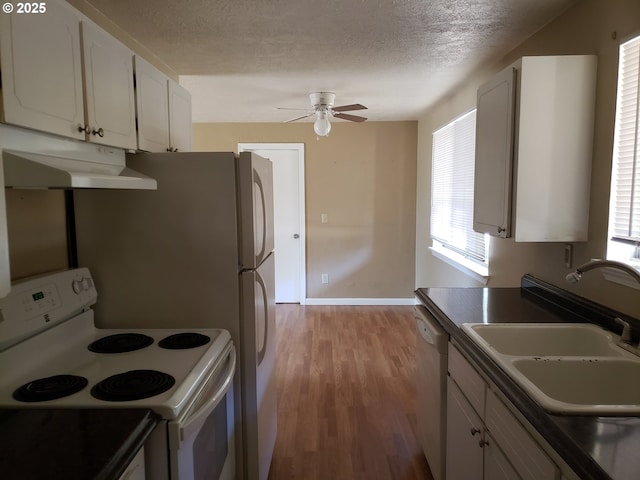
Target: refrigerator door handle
[
  {"x": 262, "y": 350},
  {"x": 263, "y": 243}
]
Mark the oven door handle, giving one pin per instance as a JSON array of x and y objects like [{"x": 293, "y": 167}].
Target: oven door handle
[{"x": 206, "y": 408}]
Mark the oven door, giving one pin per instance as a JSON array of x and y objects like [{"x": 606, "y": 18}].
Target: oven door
[{"x": 201, "y": 443}]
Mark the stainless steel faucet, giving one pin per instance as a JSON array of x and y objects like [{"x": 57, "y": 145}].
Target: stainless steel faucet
[
  {"x": 574, "y": 277},
  {"x": 626, "y": 335}
]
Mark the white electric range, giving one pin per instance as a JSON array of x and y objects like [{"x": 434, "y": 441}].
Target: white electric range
[{"x": 52, "y": 356}]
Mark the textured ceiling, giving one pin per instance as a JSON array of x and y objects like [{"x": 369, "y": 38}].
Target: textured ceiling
[{"x": 241, "y": 58}]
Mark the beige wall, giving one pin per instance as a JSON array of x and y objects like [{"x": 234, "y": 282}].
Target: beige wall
[
  {"x": 587, "y": 28},
  {"x": 363, "y": 177},
  {"x": 37, "y": 231}
]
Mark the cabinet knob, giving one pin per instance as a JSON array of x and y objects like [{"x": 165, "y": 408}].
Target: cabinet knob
[
  {"x": 483, "y": 443},
  {"x": 99, "y": 132},
  {"x": 84, "y": 128},
  {"x": 475, "y": 431}
]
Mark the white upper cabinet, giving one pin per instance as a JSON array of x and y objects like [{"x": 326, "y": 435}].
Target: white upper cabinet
[
  {"x": 42, "y": 70},
  {"x": 494, "y": 126},
  {"x": 164, "y": 111},
  {"x": 62, "y": 74},
  {"x": 152, "y": 104},
  {"x": 109, "y": 94},
  {"x": 180, "y": 130},
  {"x": 534, "y": 139}
]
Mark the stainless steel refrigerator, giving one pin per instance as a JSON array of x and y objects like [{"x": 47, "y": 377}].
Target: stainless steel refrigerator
[{"x": 198, "y": 252}]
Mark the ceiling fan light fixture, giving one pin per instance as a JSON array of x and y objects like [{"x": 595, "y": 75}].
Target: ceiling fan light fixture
[{"x": 322, "y": 126}]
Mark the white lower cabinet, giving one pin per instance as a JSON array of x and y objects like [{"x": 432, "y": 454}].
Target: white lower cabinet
[
  {"x": 464, "y": 432},
  {"x": 496, "y": 465},
  {"x": 485, "y": 441}
]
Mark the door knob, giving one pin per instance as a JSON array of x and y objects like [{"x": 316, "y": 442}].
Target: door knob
[{"x": 295, "y": 235}]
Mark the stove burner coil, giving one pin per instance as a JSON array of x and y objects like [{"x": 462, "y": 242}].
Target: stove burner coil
[
  {"x": 132, "y": 385},
  {"x": 50, "y": 388},
  {"x": 121, "y": 343},
  {"x": 181, "y": 341}
]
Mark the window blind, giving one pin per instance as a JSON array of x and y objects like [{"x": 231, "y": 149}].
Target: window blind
[
  {"x": 452, "y": 188},
  {"x": 625, "y": 192}
]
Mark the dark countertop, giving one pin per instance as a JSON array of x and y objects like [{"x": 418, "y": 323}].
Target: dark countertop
[
  {"x": 71, "y": 444},
  {"x": 596, "y": 448}
]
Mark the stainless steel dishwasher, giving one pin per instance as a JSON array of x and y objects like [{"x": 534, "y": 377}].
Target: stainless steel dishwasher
[{"x": 431, "y": 385}]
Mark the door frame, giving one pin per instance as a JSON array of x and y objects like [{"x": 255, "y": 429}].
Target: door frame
[{"x": 299, "y": 148}]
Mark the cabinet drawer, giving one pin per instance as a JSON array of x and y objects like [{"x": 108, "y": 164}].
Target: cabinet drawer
[
  {"x": 471, "y": 384},
  {"x": 528, "y": 458}
]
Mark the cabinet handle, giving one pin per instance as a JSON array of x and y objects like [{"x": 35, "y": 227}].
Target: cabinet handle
[
  {"x": 84, "y": 128},
  {"x": 99, "y": 132},
  {"x": 475, "y": 431},
  {"x": 482, "y": 443}
]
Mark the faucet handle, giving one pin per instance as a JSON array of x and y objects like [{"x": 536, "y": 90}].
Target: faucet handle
[{"x": 626, "y": 329}]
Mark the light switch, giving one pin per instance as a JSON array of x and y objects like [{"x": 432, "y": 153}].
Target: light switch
[{"x": 323, "y": 218}]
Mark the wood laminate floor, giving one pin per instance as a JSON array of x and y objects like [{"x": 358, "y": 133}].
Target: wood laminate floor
[{"x": 346, "y": 396}]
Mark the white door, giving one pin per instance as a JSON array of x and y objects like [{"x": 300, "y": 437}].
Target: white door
[{"x": 289, "y": 219}]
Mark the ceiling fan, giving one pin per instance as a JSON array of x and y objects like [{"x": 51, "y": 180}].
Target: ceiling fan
[{"x": 322, "y": 107}]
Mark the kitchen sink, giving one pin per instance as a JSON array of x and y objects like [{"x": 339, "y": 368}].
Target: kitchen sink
[
  {"x": 568, "y": 368},
  {"x": 561, "y": 339},
  {"x": 595, "y": 386}
]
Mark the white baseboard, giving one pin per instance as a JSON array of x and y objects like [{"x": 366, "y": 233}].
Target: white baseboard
[{"x": 360, "y": 301}]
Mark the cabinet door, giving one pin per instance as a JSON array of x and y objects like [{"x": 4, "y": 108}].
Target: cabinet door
[
  {"x": 180, "y": 131},
  {"x": 152, "y": 106},
  {"x": 42, "y": 70},
  {"x": 109, "y": 94},
  {"x": 494, "y": 155},
  {"x": 526, "y": 455},
  {"x": 496, "y": 465},
  {"x": 464, "y": 432}
]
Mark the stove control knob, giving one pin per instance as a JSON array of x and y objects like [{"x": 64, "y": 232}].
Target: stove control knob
[{"x": 76, "y": 286}]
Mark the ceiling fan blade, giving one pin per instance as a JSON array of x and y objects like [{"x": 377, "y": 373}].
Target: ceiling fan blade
[
  {"x": 287, "y": 108},
  {"x": 299, "y": 118},
  {"x": 351, "y": 118},
  {"x": 347, "y": 108}
]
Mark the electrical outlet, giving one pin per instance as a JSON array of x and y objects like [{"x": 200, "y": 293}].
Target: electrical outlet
[
  {"x": 324, "y": 278},
  {"x": 568, "y": 255}
]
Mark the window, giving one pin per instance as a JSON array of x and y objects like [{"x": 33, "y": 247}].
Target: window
[
  {"x": 454, "y": 239},
  {"x": 624, "y": 205}
]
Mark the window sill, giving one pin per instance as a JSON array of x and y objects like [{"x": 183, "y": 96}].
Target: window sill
[{"x": 474, "y": 270}]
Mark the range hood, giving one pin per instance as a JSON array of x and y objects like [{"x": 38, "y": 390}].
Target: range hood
[{"x": 37, "y": 170}]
